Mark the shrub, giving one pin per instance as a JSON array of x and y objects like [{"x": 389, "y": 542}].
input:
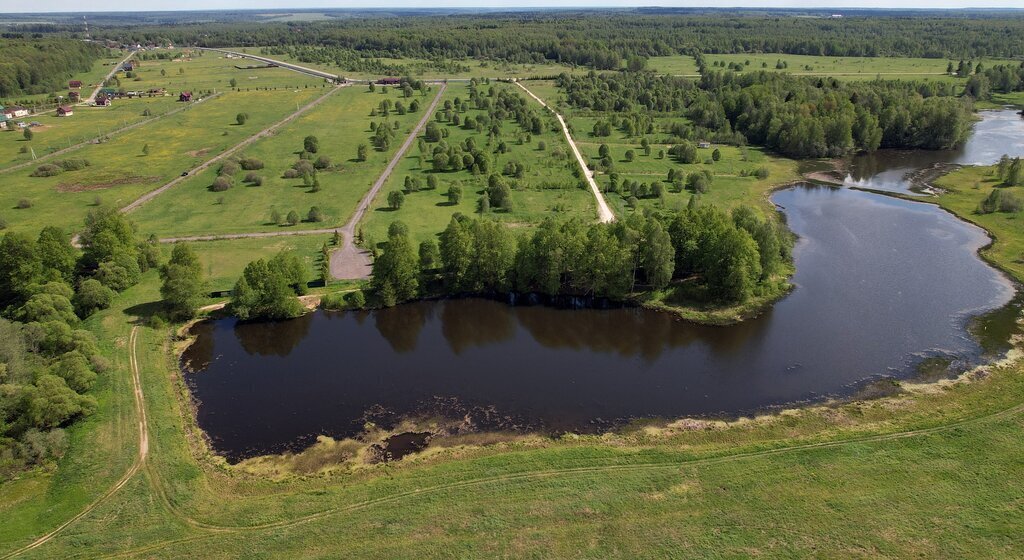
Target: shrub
[
  {"x": 291, "y": 174},
  {"x": 316, "y": 214},
  {"x": 293, "y": 218},
  {"x": 47, "y": 170},
  {"x": 761, "y": 173},
  {"x": 356, "y": 299},
  {"x": 322, "y": 162},
  {"x": 303, "y": 167},
  {"x": 24, "y": 203},
  {"x": 228, "y": 168},
  {"x": 250, "y": 164},
  {"x": 74, "y": 164},
  {"x": 221, "y": 184}
]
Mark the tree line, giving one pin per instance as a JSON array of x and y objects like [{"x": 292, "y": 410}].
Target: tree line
[{"x": 727, "y": 258}]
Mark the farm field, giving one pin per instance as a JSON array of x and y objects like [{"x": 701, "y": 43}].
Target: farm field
[
  {"x": 85, "y": 124},
  {"x": 120, "y": 171},
  {"x": 341, "y": 124},
  {"x": 548, "y": 186}
]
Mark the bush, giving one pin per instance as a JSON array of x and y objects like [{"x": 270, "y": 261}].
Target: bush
[
  {"x": 291, "y": 174},
  {"x": 316, "y": 214},
  {"x": 47, "y": 170},
  {"x": 250, "y": 164},
  {"x": 221, "y": 184},
  {"x": 356, "y": 299},
  {"x": 395, "y": 199},
  {"x": 322, "y": 162},
  {"x": 303, "y": 167},
  {"x": 761, "y": 173},
  {"x": 228, "y": 168},
  {"x": 293, "y": 218},
  {"x": 74, "y": 164},
  {"x": 253, "y": 178},
  {"x": 24, "y": 203},
  {"x": 333, "y": 302}
]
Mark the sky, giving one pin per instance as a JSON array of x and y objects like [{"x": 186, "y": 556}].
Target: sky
[{"x": 21, "y": 6}]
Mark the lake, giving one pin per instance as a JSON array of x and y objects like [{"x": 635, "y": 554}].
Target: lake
[{"x": 881, "y": 284}]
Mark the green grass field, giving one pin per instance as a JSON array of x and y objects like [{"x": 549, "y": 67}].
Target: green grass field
[
  {"x": 341, "y": 123},
  {"x": 211, "y": 71},
  {"x": 678, "y": 65},
  {"x": 847, "y": 67},
  {"x": 223, "y": 260},
  {"x": 85, "y": 124},
  {"x": 89, "y": 80},
  {"x": 120, "y": 172},
  {"x": 427, "y": 212}
]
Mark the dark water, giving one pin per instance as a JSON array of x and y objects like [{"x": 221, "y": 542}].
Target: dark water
[
  {"x": 998, "y": 132},
  {"x": 881, "y": 284}
]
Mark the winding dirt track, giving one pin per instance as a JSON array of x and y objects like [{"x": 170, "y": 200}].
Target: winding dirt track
[
  {"x": 226, "y": 153},
  {"x": 140, "y": 411},
  {"x": 604, "y": 212}
]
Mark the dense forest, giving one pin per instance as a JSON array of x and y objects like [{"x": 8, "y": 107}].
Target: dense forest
[
  {"x": 43, "y": 65},
  {"x": 795, "y": 116},
  {"x": 603, "y": 40}
]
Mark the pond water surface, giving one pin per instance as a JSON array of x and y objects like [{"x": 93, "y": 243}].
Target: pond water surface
[{"x": 881, "y": 284}]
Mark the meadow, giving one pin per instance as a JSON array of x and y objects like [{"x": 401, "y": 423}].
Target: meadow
[
  {"x": 199, "y": 70},
  {"x": 85, "y": 124},
  {"x": 341, "y": 124},
  {"x": 140, "y": 160},
  {"x": 548, "y": 187},
  {"x": 846, "y": 67}
]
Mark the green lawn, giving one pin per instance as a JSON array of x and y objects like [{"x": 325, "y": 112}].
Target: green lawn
[
  {"x": 120, "y": 172},
  {"x": 85, "y": 124},
  {"x": 677, "y": 65},
  {"x": 341, "y": 123},
  {"x": 550, "y": 189}
]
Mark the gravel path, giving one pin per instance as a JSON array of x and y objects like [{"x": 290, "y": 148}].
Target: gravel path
[{"x": 604, "y": 212}]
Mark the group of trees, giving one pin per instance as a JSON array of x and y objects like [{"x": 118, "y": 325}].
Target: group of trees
[
  {"x": 267, "y": 288},
  {"x": 732, "y": 257},
  {"x": 796, "y": 116}
]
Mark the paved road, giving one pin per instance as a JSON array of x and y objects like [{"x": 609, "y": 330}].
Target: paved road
[
  {"x": 351, "y": 262},
  {"x": 95, "y": 140},
  {"x": 241, "y": 145},
  {"x": 604, "y": 212}
]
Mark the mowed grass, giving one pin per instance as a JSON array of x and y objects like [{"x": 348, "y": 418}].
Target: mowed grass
[
  {"x": 85, "y": 124},
  {"x": 341, "y": 123},
  {"x": 549, "y": 188},
  {"x": 120, "y": 172},
  {"x": 209, "y": 71},
  {"x": 847, "y": 67}
]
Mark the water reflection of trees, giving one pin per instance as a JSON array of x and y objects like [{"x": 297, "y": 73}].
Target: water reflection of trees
[
  {"x": 627, "y": 332},
  {"x": 401, "y": 325},
  {"x": 272, "y": 338},
  {"x": 199, "y": 354},
  {"x": 476, "y": 322}
]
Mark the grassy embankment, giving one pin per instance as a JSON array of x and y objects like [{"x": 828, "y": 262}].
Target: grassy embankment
[
  {"x": 341, "y": 123},
  {"x": 428, "y": 212},
  {"x": 121, "y": 172},
  {"x": 933, "y": 471}
]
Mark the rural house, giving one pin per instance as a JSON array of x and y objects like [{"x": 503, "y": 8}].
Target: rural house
[
  {"x": 185, "y": 96},
  {"x": 3, "y": 122},
  {"x": 389, "y": 81},
  {"x": 74, "y": 96},
  {"x": 102, "y": 100},
  {"x": 65, "y": 111},
  {"x": 15, "y": 111},
  {"x": 75, "y": 84}
]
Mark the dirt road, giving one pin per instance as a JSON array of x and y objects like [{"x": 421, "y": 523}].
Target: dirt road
[
  {"x": 95, "y": 92},
  {"x": 604, "y": 212},
  {"x": 350, "y": 262}
]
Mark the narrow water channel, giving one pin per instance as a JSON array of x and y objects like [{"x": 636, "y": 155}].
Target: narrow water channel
[{"x": 881, "y": 284}]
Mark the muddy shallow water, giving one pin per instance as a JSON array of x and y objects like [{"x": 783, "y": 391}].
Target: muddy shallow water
[{"x": 881, "y": 284}]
